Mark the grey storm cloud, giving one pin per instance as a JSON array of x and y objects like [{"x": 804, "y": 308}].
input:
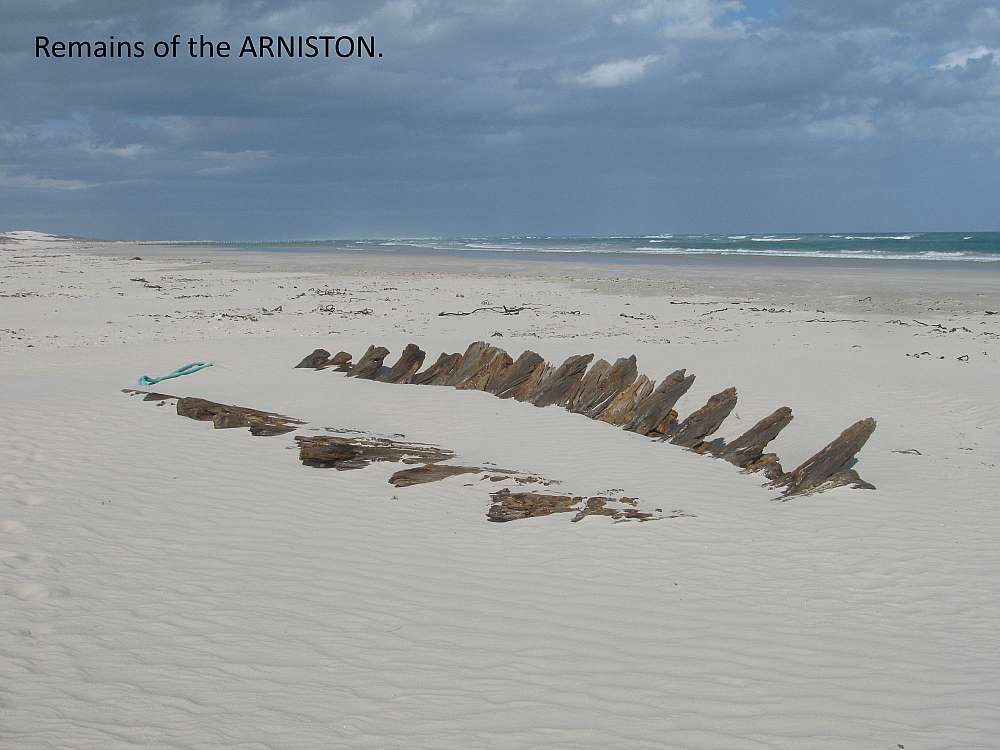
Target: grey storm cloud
[{"x": 595, "y": 116}]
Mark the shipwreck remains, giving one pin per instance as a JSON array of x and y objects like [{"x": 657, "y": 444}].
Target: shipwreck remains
[
  {"x": 616, "y": 394},
  {"x": 320, "y": 359},
  {"x": 619, "y": 395},
  {"x": 513, "y": 506},
  {"x": 325, "y": 451},
  {"x": 370, "y": 363},
  {"x": 360, "y": 450},
  {"x": 831, "y": 466},
  {"x": 226, "y": 416}
]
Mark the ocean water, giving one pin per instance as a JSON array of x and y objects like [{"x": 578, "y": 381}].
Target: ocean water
[{"x": 930, "y": 247}]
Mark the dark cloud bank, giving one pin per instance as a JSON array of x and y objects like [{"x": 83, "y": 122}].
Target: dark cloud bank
[{"x": 511, "y": 116}]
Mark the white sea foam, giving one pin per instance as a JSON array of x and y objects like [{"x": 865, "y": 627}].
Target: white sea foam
[
  {"x": 880, "y": 237},
  {"x": 492, "y": 246},
  {"x": 653, "y": 245},
  {"x": 930, "y": 255}
]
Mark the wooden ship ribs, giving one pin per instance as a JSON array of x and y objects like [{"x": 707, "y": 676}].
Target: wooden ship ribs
[{"x": 619, "y": 395}]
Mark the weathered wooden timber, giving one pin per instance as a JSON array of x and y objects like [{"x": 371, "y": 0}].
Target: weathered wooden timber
[
  {"x": 559, "y": 385},
  {"x": 830, "y": 467},
  {"x": 479, "y": 364},
  {"x": 370, "y": 363},
  {"x": 592, "y": 400},
  {"x": 749, "y": 447},
  {"x": 315, "y": 361},
  {"x": 320, "y": 359},
  {"x": 520, "y": 371},
  {"x": 514, "y": 506},
  {"x": 437, "y": 373},
  {"x": 622, "y": 408},
  {"x": 225, "y": 416},
  {"x": 430, "y": 473},
  {"x": 492, "y": 365},
  {"x": 706, "y": 420},
  {"x": 655, "y": 414},
  {"x": 437, "y": 472},
  {"x": 619, "y": 395},
  {"x": 343, "y": 453},
  {"x": 406, "y": 366},
  {"x": 357, "y": 451},
  {"x": 341, "y": 361}
]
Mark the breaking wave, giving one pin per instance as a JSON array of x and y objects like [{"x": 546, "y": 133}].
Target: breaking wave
[
  {"x": 982, "y": 247},
  {"x": 835, "y": 254}
]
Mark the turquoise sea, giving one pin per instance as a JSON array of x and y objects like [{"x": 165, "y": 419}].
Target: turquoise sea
[{"x": 929, "y": 247}]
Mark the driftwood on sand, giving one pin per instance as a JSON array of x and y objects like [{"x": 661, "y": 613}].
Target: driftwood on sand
[
  {"x": 619, "y": 395},
  {"x": 502, "y": 310}
]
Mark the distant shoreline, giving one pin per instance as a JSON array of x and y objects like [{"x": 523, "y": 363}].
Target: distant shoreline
[
  {"x": 687, "y": 258},
  {"x": 834, "y": 250},
  {"x": 897, "y": 287}
]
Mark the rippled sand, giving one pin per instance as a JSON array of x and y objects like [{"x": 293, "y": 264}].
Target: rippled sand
[{"x": 170, "y": 585}]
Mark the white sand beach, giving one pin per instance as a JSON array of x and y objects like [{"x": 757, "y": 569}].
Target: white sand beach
[{"x": 168, "y": 585}]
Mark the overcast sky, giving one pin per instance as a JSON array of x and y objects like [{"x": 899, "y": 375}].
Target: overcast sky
[{"x": 507, "y": 117}]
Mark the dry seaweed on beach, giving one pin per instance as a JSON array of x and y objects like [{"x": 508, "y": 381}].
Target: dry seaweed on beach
[
  {"x": 834, "y": 320},
  {"x": 501, "y": 310},
  {"x": 640, "y": 316}
]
